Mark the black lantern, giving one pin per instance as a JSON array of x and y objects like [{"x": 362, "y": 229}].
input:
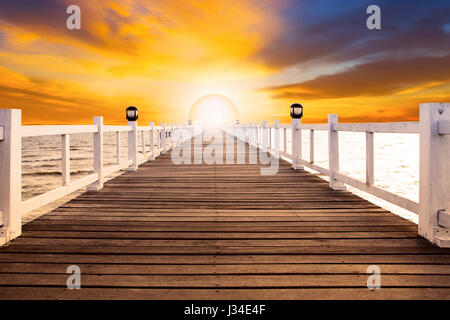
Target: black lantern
[
  {"x": 132, "y": 113},
  {"x": 190, "y": 122},
  {"x": 237, "y": 122},
  {"x": 296, "y": 111}
]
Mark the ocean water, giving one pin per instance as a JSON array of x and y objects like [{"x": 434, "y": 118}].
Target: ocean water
[
  {"x": 396, "y": 161},
  {"x": 41, "y": 159},
  {"x": 396, "y": 158}
]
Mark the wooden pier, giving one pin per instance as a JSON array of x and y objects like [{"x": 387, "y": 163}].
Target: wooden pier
[{"x": 221, "y": 231}]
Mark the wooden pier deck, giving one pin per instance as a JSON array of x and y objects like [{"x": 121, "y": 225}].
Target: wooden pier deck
[{"x": 221, "y": 232}]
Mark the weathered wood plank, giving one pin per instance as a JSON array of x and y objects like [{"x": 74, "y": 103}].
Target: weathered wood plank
[
  {"x": 71, "y": 258},
  {"x": 228, "y": 281},
  {"x": 221, "y": 232},
  {"x": 197, "y": 269},
  {"x": 217, "y": 235},
  {"x": 211, "y": 249},
  {"x": 39, "y": 293}
]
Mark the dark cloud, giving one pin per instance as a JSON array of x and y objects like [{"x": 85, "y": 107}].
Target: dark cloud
[
  {"x": 316, "y": 31},
  {"x": 370, "y": 79},
  {"x": 28, "y": 13},
  {"x": 48, "y": 19}
]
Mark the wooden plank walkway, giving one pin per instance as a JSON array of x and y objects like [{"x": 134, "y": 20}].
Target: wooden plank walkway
[{"x": 221, "y": 232}]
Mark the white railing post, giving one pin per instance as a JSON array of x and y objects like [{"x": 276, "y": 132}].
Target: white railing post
[
  {"x": 249, "y": 133},
  {"x": 98, "y": 155},
  {"x": 296, "y": 143},
  {"x": 65, "y": 159},
  {"x": 171, "y": 135},
  {"x": 10, "y": 175},
  {"x": 434, "y": 174},
  {"x": 264, "y": 137},
  {"x": 164, "y": 138},
  {"x": 152, "y": 140},
  {"x": 118, "y": 147},
  {"x": 247, "y": 138},
  {"x": 269, "y": 143},
  {"x": 369, "y": 159},
  {"x": 256, "y": 135},
  {"x": 158, "y": 140},
  {"x": 132, "y": 145},
  {"x": 276, "y": 148},
  {"x": 191, "y": 131},
  {"x": 333, "y": 152},
  {"x": 311, "y": 146},
  {"x": 285, "y": 140}
]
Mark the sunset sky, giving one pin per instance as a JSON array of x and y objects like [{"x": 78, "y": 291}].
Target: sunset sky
[{"x": 163, "y": 55}]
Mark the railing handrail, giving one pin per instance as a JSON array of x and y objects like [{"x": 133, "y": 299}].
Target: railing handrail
[
  {"x": 369, "y": 129},
  {"x": 12, "y": 208},
  {"x": 47, "y": 130},
  {"x": 67, "y": 187},
  {"x": 434, "y": 129},
  {"x": 381, "y": 127},
  {"x": 434, "y": 185}
]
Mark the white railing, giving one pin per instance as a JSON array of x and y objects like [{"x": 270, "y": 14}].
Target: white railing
[
  {"x": 12, "y": 208},
  {"x": 433, "y": 207},
  {"x": 434, "y": 185}
]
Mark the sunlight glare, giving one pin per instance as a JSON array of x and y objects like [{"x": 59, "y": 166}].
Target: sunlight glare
[{"x": 213, "y": 110}]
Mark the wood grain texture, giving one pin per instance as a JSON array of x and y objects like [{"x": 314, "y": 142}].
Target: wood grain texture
[{"x": 221, "y": 232}]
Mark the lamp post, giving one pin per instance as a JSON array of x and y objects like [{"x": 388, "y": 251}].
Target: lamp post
[
  {"x": 237, "y": 129},
  {"x": 191, "y": 129},
  {"x": 132, "y": 113},
  {"x": 132, "y": 116},
  {"x": 296, "y": 111},
  {"x": 296, "y": 114}
]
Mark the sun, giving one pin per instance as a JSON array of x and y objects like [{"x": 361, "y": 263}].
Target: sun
[{"x": 214, "y": 110}]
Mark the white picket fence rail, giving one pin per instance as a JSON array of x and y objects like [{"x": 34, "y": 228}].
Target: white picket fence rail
[
  {"x": 160, "y": 139},
  {"x": 433, "y": 207}
]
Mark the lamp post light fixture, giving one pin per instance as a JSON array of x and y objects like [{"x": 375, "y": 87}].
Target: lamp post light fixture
[
  {"x": 132, "y": 113},
  {"x": 296, "y": 114},
  {"x": 296, "y": 111}
]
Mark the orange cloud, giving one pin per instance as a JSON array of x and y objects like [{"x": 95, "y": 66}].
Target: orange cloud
[
  {"x": 163, "y": 55},
  {"x": 128, "y": 52}
]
